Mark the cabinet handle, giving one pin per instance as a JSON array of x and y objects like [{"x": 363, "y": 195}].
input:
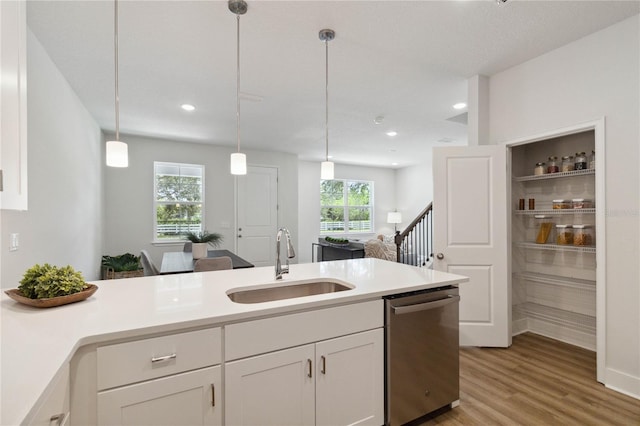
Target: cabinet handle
[
  {"x": 323, "y": 369},
  {"x": 213, "y": 395},
  {"x": 309, "y": 368},
  {"x": 163, "y": 358},
  {"x": 59, "y": 419}
]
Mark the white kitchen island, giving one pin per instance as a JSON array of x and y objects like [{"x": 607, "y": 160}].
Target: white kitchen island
[{"x": 40, "y": 346}]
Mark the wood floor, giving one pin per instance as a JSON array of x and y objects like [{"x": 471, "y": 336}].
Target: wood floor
[{"x": 537, "y": 381}]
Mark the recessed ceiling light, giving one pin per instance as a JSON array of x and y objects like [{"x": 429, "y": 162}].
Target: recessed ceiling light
[
  {"x": 392, "y": 133},
  {"x": 460, "y": 105},
  {"x": 379, "y": 119},
  {"x": 187, "y": 107},
  {"x": 329, "y": 156},
  {"x": 446, "y": 140},
  {"x": 394, "y": 164}
]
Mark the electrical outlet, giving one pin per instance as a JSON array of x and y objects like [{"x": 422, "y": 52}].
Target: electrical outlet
[
  {"x": 225, "y": 225},
  {"x": 14, "y": 242}
]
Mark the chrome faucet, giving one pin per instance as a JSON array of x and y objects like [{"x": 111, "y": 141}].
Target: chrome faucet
[{"x": 280, "y": 270}]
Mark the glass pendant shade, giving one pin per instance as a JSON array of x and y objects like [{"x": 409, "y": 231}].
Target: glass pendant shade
[
  {"x": 117, "y": 154},
  {"x": 238, "y": 163},
  {"x": 326, "y": 170}
]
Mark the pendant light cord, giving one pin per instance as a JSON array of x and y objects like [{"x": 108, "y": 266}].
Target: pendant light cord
[
  {"x": 238, "y": 82},
  {"x": 326, "y": 104},
  {"x": 117, "y": 95}
]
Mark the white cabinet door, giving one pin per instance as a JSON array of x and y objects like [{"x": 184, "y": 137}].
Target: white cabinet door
[
  {"x": 192, "y": 398},
  {"x": 273, "y": 389},
  {"x": 13, "y": 98},
  {"x": 470, "y": 238},
  {"x": 55, "y": 409},
  {"x": 350, "y": 380}
]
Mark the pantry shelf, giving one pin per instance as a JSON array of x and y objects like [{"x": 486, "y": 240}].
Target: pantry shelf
[
  {"x": 556, "y": 247},
  {"x": 555, "y": 175},
  {"x": 554, "y": 212}
]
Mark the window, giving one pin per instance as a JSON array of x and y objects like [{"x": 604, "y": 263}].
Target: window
[
  {"x": 346, "y": 206},
  {"x": 179, "y": 200}
]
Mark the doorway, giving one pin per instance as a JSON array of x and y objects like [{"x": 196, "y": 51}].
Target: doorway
[{"x": 257, "y": 215}]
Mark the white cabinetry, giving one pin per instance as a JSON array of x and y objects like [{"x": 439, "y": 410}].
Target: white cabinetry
[
  {"x": 334, "y": 382},
  {"x": 554, "y": 281},
  {"x": 349, "y": 380},
  {"x": 13, "y": 105},
  {"x": 54, "y": 410},
  {"x": 181, "y": 399},
  {"x": 332, "y": 373},
  {"x": 166, "y": 380}
]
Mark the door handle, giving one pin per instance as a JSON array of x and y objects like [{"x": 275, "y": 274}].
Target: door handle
[
  {"x": 440, "y": 256},
  {"x": 239, "y": 236},
  {"x": 309, "y": 368},
  {"x": 399, "y": 310}
]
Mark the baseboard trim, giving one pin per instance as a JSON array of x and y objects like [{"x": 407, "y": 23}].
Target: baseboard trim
[{"x": 622, "y": 382}]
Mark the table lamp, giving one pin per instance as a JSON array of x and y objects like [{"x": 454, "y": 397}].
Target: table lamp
[{"x": 395, "y": 218}]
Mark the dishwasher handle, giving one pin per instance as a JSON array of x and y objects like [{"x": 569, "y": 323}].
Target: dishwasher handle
[{"x": 400, "y": 310}]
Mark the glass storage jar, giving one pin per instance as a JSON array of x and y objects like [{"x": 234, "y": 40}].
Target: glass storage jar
[
  {"x": 552, "y": 165},
  {"x": 545, "y": 228},
  {"x": 567, "y": 163},
  {"x": 583, "y": 235},
  {"x": 564, "y": 235},
  {"x": 581, "y": 203},
  {"x": 592, "y": 160},
  {"x": 580, "y": 162},
  {"x": 561, "y": 204},
  {"x": 540, "y": 168}
]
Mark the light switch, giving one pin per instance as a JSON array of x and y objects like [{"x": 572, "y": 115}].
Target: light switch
[{"x": 14, "y": 242}]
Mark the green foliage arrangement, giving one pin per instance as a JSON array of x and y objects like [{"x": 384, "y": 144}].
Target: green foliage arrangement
[
  {"x": 47, "y": 281},
  {"x": 336, "y": 240},
  {"x": 212, "y": 238},
  {"x": 123, "y": 262}
]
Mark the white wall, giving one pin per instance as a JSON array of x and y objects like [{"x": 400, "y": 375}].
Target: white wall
[
  {"x": 309, "y": 201},
  {"x": 597, "y": 76},
  {"x": 414, "y": 190},
  {"x": 129, "y": 192},
  {"x": 64, "y": 222}
]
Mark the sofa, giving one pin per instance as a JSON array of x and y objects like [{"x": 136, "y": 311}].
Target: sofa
[{"x": 381, "y": 247}]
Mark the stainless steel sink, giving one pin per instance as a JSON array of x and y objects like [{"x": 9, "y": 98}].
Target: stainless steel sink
[{"x": 288, "y": 291}]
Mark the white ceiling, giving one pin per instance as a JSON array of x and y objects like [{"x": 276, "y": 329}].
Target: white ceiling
[{"x": 408, "y": 61}]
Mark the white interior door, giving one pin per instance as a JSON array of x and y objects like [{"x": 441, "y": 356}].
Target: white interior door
[
  {"x": 470, "y": 238},
  {"x": 258, "y": 215}
]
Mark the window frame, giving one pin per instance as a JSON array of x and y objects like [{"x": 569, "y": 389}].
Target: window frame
[
  {"x": 156, "y": 202},
  {"x": 345, "y": 207}
]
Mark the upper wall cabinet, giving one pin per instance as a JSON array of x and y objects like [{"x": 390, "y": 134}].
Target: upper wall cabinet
[{"x": 13, "y": 105}]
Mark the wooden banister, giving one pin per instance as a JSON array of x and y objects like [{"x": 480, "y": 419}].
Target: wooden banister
[{"x": 414, "y": 245}]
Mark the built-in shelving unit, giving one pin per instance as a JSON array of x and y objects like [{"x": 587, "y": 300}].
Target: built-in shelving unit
[
  {"x": 554, "y": 212},
  {"x": 556, "y": 247},
  {"x": 553, "y": 286},
  {"x": 546, "y": 176}
]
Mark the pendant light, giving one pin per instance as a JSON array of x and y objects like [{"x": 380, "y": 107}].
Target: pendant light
[
  {"x": 326, "y": 167},
  {"x": 238, "y": 159},
  {"x": 117, "y": 151}
]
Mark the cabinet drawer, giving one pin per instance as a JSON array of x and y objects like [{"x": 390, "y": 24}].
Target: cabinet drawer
[
  {"x": 146, "y": 359},
  {"x": 270, "y": 334}
]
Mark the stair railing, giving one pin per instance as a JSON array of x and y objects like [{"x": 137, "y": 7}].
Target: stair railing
[{"x": 414, "y": 245}]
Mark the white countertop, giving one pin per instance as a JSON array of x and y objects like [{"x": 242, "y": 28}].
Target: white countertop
[{"x": 37, "y": 342}]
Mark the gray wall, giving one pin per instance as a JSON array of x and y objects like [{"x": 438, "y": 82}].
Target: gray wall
[
  {"x": 64, "y": 222},
  {"x": 129, "y": 192}
]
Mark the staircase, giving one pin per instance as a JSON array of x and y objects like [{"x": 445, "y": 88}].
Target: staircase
[{"x": 414, "y": 245}]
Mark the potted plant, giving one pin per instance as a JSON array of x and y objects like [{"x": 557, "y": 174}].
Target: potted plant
[
  {"x": 122, "y": 266},
  {"x": 201, "y": 240}
]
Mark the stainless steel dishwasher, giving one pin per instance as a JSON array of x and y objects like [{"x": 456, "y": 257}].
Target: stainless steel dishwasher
[{"x": 422, "y": 358}]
